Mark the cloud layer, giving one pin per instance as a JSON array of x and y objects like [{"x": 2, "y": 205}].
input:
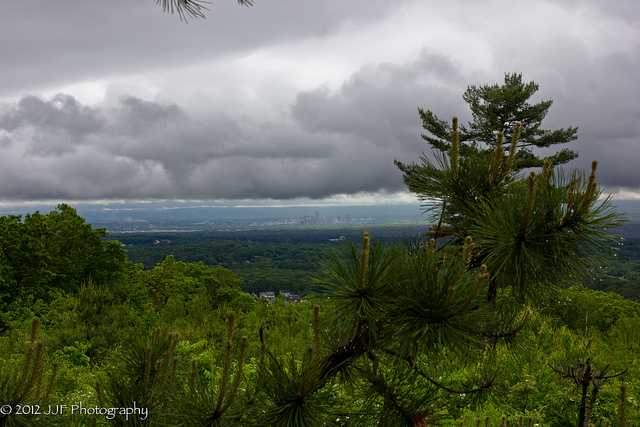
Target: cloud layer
[
  {"x": 322, "y": 144},
  {"x": 287, "y": 99}
]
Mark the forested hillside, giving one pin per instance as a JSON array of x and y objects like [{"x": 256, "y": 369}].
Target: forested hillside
[
  {"x": 266, "y": 260},
  {"x": 270, "y": 265},
  {"x": 110, "y": 333}
]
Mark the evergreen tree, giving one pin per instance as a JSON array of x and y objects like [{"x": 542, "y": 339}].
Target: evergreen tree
[
  {"x": 535, "y": 233},
  {"x": 25, "y": 388},
  {"x": 496, "y": 109},
  {"x": 400, "y": 314}
]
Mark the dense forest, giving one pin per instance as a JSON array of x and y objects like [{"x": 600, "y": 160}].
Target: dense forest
[
  {"x": 265, "y": 263},
  {"x": 266, "y": 260},
  {"x": 110, "y": 332}
]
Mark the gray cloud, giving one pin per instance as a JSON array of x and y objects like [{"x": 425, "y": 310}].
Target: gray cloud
[
  {"x": 95, "y": 39},
  {"x": 602, "y": 101},
  {"x": 325, "y": 143},
  {"x": 144, "y": 149},
  {"x": 381, "y": 100},
  {"x": 50, "y": 127},
  {"x": 187, "y": 111}
]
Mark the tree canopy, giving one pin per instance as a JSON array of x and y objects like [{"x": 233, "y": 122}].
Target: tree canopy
[
  {"x": 496, "y": 109},
  {"x": 534, "y": 233},
  {"x": 56, "y": 250}
]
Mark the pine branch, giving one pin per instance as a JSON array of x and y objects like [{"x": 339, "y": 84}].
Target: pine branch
[
  {"x": 184, "y": 8},
  {"x": 191, "y": 8},
  {"x": 420, "y": 372}
]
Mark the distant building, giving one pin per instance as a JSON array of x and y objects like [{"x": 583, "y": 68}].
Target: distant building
[
  {"x": 269, "y": 296},
  {"x": 291, "y": 295}
]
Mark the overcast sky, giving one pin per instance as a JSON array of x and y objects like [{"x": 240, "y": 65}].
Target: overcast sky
[{"x": 292, "y": 99}]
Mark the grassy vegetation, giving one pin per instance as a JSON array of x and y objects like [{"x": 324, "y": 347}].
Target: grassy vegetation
[{"x": 182, "y": 340}]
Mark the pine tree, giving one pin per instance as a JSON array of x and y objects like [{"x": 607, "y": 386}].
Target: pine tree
[
  {"x": 145, "y": 373},
  {"x": 447, "y": 300},
  {"x": 401, "y": 318},
  {"x": 496, "y": 109},
  {"x": 534, "y": 233},
  {"x": 221, "y": 401},
  {"x": 25, "y": 388}
]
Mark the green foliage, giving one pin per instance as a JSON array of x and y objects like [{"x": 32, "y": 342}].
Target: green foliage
[
  {"x": 263, "y": 266},
  {"x": 534, "y": 234},
  {"x": 622, "y": 273},
  {"x": 358, "y": 284},
  {"x": 96, "y": 319},
  {"x": 294, "y": 390},
  {"x": 261, "y": 257},
  {"x": 495, "y": 110},
  {"x": 436, "y": 301},
  {"x": 44, "y": 254},
  {"x": 624, "y": 340},
  {"x": 622, "y": 408},
  {"x": 586, "y": 310},
  {"x": 145, "y": 372},
  {"x": 25, "y": 388},
  {"x": 546, "y": 231},
  {"x": 219, "y": 400},
  {"x": 186, "y": 281},
  {"x": 397, "y": 313},
  {"x": 74, "y": 354},
  {"x": 588, "y": 380}
]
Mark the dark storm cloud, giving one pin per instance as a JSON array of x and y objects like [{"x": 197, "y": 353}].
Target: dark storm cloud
[
  {"x": 75, "y": 41},
  {"x": 602, "y": 100},
  {"x": 380, "y": 101},
  {"x": 52, "y": 127},
  {"x": 136, "y": 117},
  {"x": 326, "y": 143},
  {"x": 288, "y": 98}
]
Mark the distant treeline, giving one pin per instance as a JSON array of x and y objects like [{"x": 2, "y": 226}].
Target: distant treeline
[
  {"x": 262, "y": 267},
  {"x": 287, "y": 234},
  {"x": 266, "y": 260},
  {"x": 621, "y": 275},
  {"x": 277, "y": 259}
]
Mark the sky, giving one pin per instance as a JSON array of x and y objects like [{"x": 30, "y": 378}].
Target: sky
[{"x": 292, "y": 101}]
